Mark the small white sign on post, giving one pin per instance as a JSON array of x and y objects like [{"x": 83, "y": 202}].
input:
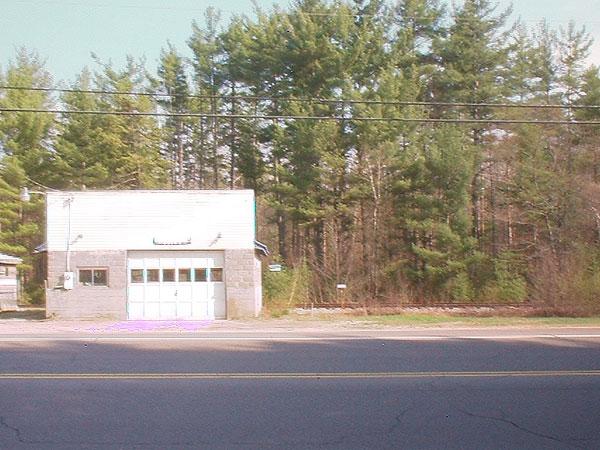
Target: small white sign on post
[
  {"x": 341, "y": 286},
  {"x": 275, "y": 267}
]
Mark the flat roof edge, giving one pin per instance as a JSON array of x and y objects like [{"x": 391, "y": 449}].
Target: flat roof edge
[{"x": 157, "y": 191}]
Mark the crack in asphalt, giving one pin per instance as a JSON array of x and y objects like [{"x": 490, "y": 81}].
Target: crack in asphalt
[
  {"x": 286, "y": 444},
  {"x": 20, "y": 438},
  {"x": 15, "y": 430},
  {"x": 519, "y": 427},
  {"x": 399, "y": 418},
  {"x": 117, "y": 443}
]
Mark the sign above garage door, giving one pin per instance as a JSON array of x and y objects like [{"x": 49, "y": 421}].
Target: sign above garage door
[{"x": 168, "y": 285}]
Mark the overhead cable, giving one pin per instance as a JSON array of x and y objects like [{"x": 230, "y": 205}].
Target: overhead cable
[
  {"x": 300, "y": 117},
  {"x": 276, "y": 98}
]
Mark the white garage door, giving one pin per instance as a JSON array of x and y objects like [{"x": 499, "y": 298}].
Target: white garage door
[{"x": 175, "y": 285}]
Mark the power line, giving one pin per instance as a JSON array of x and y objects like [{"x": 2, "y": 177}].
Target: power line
[
  {"x": 146, "y": 7},
  {"x": 299, "y": 117},
  {"x": 112, "y": 6},
  {"x": 40, "y": 184},
  {"x": 304, "y": 99}
]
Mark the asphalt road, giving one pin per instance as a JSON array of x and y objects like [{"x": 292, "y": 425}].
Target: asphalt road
[{"x": 321, "y": 393}]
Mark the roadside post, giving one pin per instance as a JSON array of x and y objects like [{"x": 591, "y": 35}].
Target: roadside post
[{"x": 340, "y": 289}]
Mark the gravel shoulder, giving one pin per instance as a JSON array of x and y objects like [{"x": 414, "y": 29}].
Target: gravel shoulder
[{"x": 33, "y": 323}]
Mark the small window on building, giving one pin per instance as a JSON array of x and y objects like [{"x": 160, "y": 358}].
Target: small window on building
[
  {"x": 152, "y": 275},
  {"x": 100, "y": 277},
  {"x": 200, "y": 275},
  {"x": 137, "y": 275},
  {"x": 168, "y": 274},
  {"x": 3, "y": 271},
  {"x": 185, "y": 275},
  {"x": 85, "y": 277},
  {"x": 216, "y": 274},
  {"x": 93, "y": 277}
]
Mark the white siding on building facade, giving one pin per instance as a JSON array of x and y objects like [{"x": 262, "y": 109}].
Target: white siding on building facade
[{"x": 145, "y": 220}]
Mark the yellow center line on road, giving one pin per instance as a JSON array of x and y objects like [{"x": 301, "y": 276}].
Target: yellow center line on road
[{"x": 293, "y": 375}]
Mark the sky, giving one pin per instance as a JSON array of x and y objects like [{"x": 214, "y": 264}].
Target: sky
[{"x": 65, "y": 33}]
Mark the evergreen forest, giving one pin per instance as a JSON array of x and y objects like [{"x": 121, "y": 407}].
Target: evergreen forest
[{"x": 414, "y": 150}]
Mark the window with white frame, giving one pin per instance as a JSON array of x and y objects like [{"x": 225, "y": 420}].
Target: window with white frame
[{"x": 93, "y": 277}]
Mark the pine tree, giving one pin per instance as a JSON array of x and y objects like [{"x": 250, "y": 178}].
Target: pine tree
[
  {"x": 543, "y": 61},
  {"x": 20, "y": 223},
  {"x": 79, "y": 160},
  {"x": 417, "y": 24},
  {"x": 573, "y": 50},
  {"x": 315, "y": 58},
  {"x": 473, "y": 59},
  {"x": 589, "y": 160},
  {"x": 177, "y": 131},
  {"x": 432, "y": 184},
  {"x": 205, "y": 44},
  {"x": 129, "y": 144},
  {"x": 367, "y": 52},
  {"x": 27, "y": 136},
  {"x": 521, "y": 74},
  {"x": 544, "y": 191},
  {"x": 396, "y": 208}
]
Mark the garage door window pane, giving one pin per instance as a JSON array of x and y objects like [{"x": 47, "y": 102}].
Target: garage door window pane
[
  {"x": 137, "y": 275},
  {"x": 185, "y": 275},
  {"x": 152, "y": 275},
  {"x": 168, "y": 274},
  {"x": 85, "y": 277},
  {"x": 216, "y": 274},
  {"x": 199, "y": 275},
  {"x": 101, "y": 278}
]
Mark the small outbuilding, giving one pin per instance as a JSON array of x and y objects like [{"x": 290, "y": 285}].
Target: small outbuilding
[
  {"x": 9, "y": 291},
  {"x": 152, "y": 255}
]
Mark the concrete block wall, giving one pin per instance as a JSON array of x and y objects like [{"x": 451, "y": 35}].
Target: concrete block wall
[
  {"x": 242, "y": 283},
  {"x": 108, "y": 302},
  {"x": 242, "y": 276},
  {"x": 257, "y": 283}
]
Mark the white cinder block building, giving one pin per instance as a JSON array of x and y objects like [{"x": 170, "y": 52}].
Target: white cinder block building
[{"x": 152, "y": 255}]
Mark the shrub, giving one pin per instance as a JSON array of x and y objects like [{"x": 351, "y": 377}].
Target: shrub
[
  {"x": 33, "y": 294},
  {"x": 459, "y": 288},
  {"x": 571, "y": 287},
  {"x": 286, "y": 289},
  {"x": 508, "y": 284}
]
